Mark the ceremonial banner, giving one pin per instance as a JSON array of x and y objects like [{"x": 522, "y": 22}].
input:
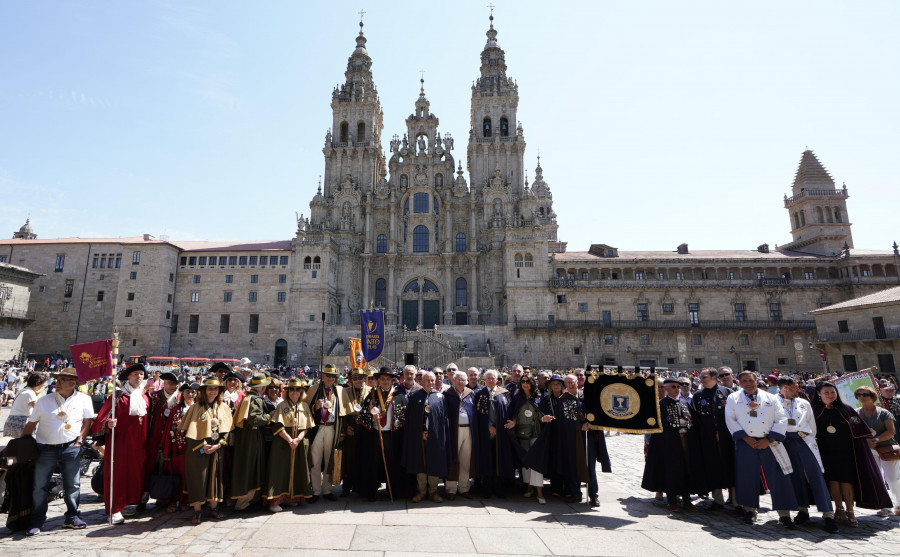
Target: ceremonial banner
[
  {"x": 371, "y": 324},
  {"x": 620, "y": 402},
  {"x": 357, "y": 360},
  {"x": 92, "y": 360},
  {"x": 849, "y": 382}
]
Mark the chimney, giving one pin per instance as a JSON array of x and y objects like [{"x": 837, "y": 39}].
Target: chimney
[
  {"x": 682, "y": 249},
  {"x": 148, "y": 237},
  {"x": 764, "y": 248}
]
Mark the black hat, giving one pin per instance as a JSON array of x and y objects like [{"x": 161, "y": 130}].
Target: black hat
[
  {"x": 385, "y": 371},
  {"x": 192, "y": 386},
  {"x": 668, "y": 380},
  {"x": 123, "y": 375},
  {"x": 168, "y": 376},
  {"x": 556, "y": 377},
  {"x": 233, "y": 375},
  {"x": 219, "y": 366}
]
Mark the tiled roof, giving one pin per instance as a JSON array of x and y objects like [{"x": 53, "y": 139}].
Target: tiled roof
[
  {"x": 76, "y": 240},
  {"x": 884, "y": 296},
  {"x": 280, "y": 245},
  {"x": 811, "y": 174},
  {"x": 708, "y": 255}
]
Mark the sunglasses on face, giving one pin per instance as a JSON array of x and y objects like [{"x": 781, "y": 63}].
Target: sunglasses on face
[{"x": 724, "y": 375}]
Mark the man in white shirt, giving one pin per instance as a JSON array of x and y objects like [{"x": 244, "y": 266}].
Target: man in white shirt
[
  {"x": 60, "y": 422},
  {"x": 757, "y": 422}
]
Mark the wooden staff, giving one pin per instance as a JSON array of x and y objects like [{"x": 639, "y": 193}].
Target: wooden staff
[
  {"x": 387, "y": 474},
  {"x": 293, "y": 451},
  {"x": 112, "y": 434}
]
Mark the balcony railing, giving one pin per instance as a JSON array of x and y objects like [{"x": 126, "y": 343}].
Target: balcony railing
[
  {"x": 9, "y": 313},
  {"x": 887, "y": 333},
  {"x": 805, "y": 324},
  {"x": 816, "y": 193},
  {"x": 720, "y": 283}
]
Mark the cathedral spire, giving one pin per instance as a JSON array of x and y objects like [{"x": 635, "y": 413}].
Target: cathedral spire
[{"x": 811, "y": 175}]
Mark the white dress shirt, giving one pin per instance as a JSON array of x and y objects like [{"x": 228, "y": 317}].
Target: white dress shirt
[
  {"x": 51, "y": 429},
  {"x": 770, "y": 418}
]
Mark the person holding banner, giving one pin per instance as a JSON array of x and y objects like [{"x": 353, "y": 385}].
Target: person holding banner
[
  {"x": 126, "y": 442},
  {"x": 288, "y": 477},
  {"x": 205, "y": 426},
  {"x": 62, "y": 421},
  {"x": 850, "y": 468},
  {"x": 352, "y": 397},
  {"x": 381, "y": 419},
  {"x": 757, "y": 422},
  {"x": 800, "y": 443}
]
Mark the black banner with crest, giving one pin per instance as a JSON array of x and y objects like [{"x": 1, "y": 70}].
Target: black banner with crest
[{"x": 622, "y": 402}]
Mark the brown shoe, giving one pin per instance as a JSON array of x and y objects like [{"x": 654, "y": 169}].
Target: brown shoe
[
  {"x": 435, "y": 498},
  {"x": 451, "y": 496},
  {"x": 595, "y": 502},
  {"x": 673, "y": 507},
  {"x": 689, "y": 507},
  {"x": 467, "y": 495},
  {"x": 417, "y": 498}
]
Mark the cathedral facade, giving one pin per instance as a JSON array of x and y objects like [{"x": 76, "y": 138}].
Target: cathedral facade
[{"x": 462, "y": 256}]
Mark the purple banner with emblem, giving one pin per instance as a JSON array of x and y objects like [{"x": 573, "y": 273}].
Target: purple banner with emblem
[{"x": 371, "y": 324}]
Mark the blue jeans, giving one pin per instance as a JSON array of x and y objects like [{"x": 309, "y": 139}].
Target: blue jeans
[{"x": 69, "y": 460}]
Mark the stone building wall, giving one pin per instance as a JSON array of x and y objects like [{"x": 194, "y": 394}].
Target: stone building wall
[{"x": 15, "y": 313}]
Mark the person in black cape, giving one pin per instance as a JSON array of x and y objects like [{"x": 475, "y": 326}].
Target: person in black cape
[
  {"x": 559, "y": 452},
  {"x": 667, "y": 468},
  {"x": 495, "y": 462},
  {"x": 715, "y": 459},
  {"x": 383, "y": 414},
  {"x": 426, "y": 452}
]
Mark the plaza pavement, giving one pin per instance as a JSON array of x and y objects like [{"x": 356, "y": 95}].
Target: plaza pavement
[{"x": 627, "y": 523}]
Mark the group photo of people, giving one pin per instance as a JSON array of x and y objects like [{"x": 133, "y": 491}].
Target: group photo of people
[{"x": 221, "y": 441}]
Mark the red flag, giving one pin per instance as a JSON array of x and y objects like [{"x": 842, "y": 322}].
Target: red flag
[{"x": 92, "y": 360}]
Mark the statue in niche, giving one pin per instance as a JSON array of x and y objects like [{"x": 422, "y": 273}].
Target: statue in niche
[
  {"x": 395, "y": 144},
  {"x": 421, "y": 143},
  {"x": 486, "y": 303},
  {"x": 353, "y": 302}
]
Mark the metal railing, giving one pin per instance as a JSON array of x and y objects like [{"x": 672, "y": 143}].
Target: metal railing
[
  {"x": 662, "y": 324},
  {"x": 816, "y": 193}
]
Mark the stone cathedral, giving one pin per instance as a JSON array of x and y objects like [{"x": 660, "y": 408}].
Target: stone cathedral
[
  {"x": 406, "y": 231},
  {"x": 462, "y": 254}
]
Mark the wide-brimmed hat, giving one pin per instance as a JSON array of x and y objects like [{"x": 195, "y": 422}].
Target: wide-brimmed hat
[
  {"x": 330, "y": 371},
  {"x": 556, "y": 377},
  {"x": 168, "y": 376},
  {"x": 123, "y": 375},
  {"x": 296, "y": 383},
  {"x": 210, "y": 382},
  {"x": 66, "y": 372},
  {"x": 219, "y": 366},
  {"x": 385, "y": 371},
  {"x": 360, "y": 372},
  {"x": 259, "y": 380}
]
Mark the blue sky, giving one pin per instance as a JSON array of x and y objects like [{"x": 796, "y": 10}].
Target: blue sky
[{"x": 657, "y": 122}]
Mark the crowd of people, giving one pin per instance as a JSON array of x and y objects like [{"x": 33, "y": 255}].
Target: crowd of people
[{"x": 250, "y": 438}]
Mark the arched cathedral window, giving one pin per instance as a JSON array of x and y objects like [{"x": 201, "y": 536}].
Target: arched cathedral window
[
  {"x": 486, "y": 126},
  {"x": 460, "y": 242},
  {"x": 380, "y": 292},
  {"x": 361, "y": 132},
  {"x": 381, "y": 244},
  {"x": 504, "y": 127},
  {"x": 345, "y": 132},
  {"x": 420, "y": 239},
  {"x": 461, "y": 292}
]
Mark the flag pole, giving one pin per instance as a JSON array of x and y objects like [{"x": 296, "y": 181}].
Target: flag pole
[{"x": 112, "y": 445}]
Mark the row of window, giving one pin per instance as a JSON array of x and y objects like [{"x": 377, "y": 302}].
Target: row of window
[
  {"x": 420, "y": 241},
  {"x": 254, "y": 279},
  {"x": 212, "y": 260},
  {"x": 224, "y": 323},
  {"x": 643, "y": 310},
  {"x": 696, "y": 339},
  {"x": 101, "y": 259},
  {"x": 251, "y": 296},
  {"x": 488, "y": 129},
  {"x": 640, "y": 275}
]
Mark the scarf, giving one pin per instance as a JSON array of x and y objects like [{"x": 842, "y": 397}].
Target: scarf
[
  {"x": 137, "y": 404},
  {"x": 230, "y": 398},
  {"x": 171, "y": 400}
]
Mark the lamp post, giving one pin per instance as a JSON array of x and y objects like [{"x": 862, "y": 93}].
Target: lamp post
[{"x": 322, "y": 353}]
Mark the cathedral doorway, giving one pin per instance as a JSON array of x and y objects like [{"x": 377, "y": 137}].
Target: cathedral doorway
[
  {"x": 280, "y": 352},
  {"x": 420, "y": 305}
]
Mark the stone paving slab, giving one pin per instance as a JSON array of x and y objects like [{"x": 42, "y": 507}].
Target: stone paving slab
[{"x": 628, "y": 522}]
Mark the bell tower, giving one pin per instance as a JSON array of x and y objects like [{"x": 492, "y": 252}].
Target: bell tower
[
  {"x": 353, "y": 144},
  {"x": 496, "y": 140},
  {"x": 818, "y": 211}
]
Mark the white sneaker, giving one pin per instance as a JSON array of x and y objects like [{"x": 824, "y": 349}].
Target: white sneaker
[
  {"x": 275, "y": 509},
  {"x": 885, "y": 512},
  {"x": 541, "y": 501},
  {"x": 117, "y": 518}
]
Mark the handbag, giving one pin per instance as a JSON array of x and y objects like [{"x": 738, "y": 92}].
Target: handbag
[
  {"x": 888, "y": 453},
  {"x": 164, "y": 487},
  {"x": 336, "y": 457}
]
